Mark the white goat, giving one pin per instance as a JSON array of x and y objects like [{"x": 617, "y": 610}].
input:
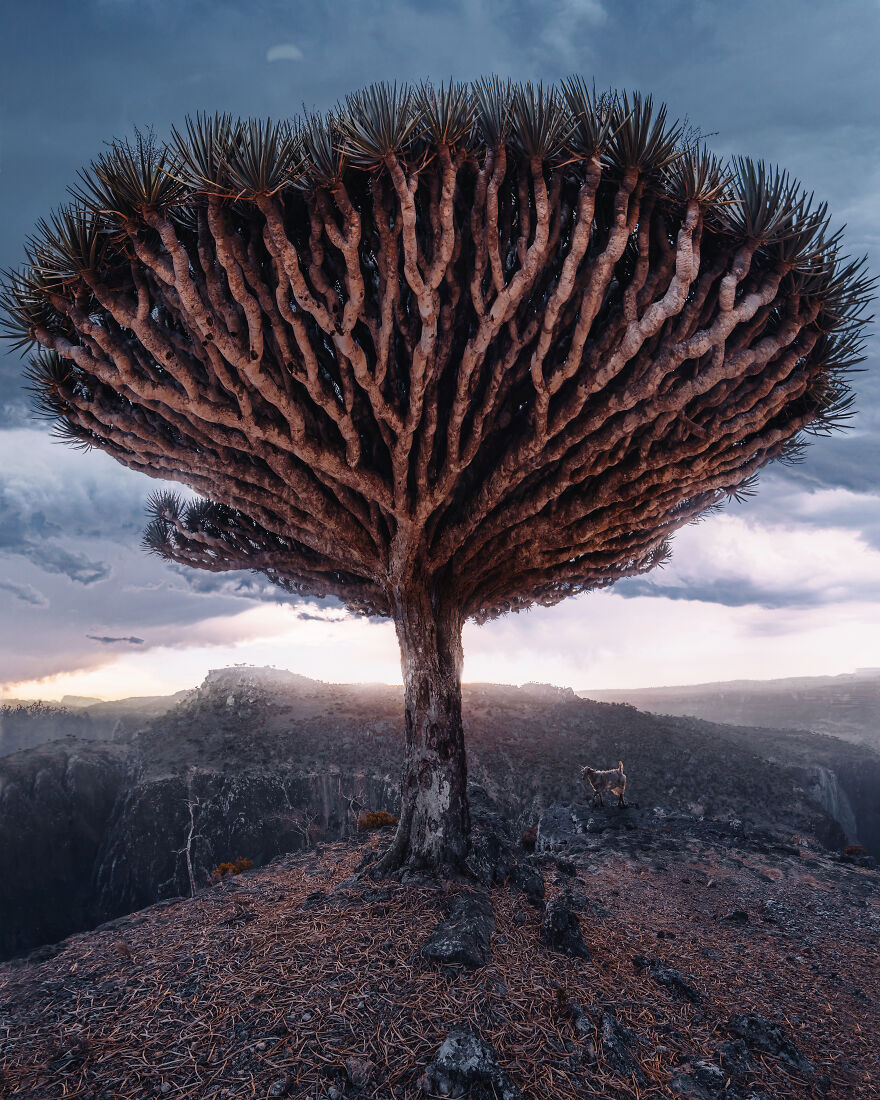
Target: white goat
[{"x": 612, "y": 780}]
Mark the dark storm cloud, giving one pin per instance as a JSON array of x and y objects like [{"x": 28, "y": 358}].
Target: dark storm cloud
[
  {"x": 56, "y": 559},
  {"x": 237, "y": 584},
  {"x": 47, "y": 491},
  {"x": 104, "y": 640},
  {"x": 26, "y": 593},
  {"x": 18, "y": 536},
  {"x": 26, "y": 530},
  {"x": 728, "y": 593}
]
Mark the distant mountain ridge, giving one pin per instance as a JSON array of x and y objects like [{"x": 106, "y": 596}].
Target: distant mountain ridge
[{"x": 845, "y": 706}]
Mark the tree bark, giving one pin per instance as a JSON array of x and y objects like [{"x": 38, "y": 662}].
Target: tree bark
[{"x": 434, "y": 824}]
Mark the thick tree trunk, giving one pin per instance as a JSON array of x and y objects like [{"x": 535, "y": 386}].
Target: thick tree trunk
[{"x": 434, "y": 821}]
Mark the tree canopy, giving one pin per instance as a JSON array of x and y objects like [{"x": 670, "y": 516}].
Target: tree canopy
[{"x": 510, "y": 335}]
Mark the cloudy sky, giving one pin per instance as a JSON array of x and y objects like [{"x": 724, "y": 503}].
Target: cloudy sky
[{"x": 788, "y": 584}]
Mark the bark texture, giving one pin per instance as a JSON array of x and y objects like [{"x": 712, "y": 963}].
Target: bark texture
[
  {"x": 434, "y": 821},
  {"x": 492, "y": 344}
]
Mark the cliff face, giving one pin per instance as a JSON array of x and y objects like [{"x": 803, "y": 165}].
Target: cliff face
[
  {"x": 859, "y": 779},
  {"x": 85, "y": 840},
  {"x": 826, "y": 788},
  {"x": 55, "y": 806},
  {"x": 255, "y": 816}
]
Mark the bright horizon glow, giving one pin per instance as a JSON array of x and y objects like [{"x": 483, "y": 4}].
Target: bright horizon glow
[{"x": 585, "y": 643}]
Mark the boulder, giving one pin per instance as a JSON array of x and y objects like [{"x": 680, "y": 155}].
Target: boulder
[
  {"x": 360, "y": 1071},
  {"x": 467, "y": 1066},
  {"x": 698, "y": 1080},
  {"x": 463, "y": 937},
  {"x": 493, "y": 858},
  {"x": 686, "y": 1086},
  {"x": 735, "y": 1059},
  {"x": 762, "y": 1034},
  {"x": 668, "y": 977},
  {"x": 559, "y": 828},
  {"x": 530, "y": 881},
  {"x": 561, "y": 929},
  {"x": 616, "y": 1042}
]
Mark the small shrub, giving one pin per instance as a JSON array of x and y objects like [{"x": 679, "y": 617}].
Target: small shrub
[
  {"x": 227, "y": 868},
  {"x": 854, "y": 850},
  {"x": 375, "y": 819}
]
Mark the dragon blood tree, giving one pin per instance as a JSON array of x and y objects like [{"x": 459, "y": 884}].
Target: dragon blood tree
[{"x": 441, "y": 354}]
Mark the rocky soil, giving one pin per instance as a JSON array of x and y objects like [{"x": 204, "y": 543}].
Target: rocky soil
[
  {"x": 669, "y": 956},
  {"x": 270, "y": 763}
]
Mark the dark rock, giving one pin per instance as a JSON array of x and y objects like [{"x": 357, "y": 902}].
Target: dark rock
[
  {"x": 566, "y": 866},
  {"x": 668, "y": 977},
  {"x": 579, "y": 1018},
  {"x": 736, "y": 916},
  {"x": 616, "y": 1041},
  {"x": 360, "y": 1071},
  {"x": 558, "y": 826},
  {"x": 698, "y": 1080},
  {"x": 529, "y": 838},
  {"x": 530, "y": 881},
  {"x": 683, "y": 1084},
  {"x": 561, "y": 929},
  {"x": 493, "y": 858},
  {"x": 735, "y": 1059},
  {"x": 467, "y": 1066},
  {"x": 762, "y": 1034},
  {"x": 708, "y": 1075},
  {"x": 280, "y": 1087},
  {"x": 490, "y": 858},
  {"x": 463, "y": 937},
  {"x": 314, "y": 899}
]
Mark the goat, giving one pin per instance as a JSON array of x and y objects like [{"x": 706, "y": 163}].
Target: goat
[{"x": 612, "y": 780}]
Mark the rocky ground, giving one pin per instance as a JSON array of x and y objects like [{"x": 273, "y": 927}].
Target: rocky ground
[{"x": 635, "y": 953}]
